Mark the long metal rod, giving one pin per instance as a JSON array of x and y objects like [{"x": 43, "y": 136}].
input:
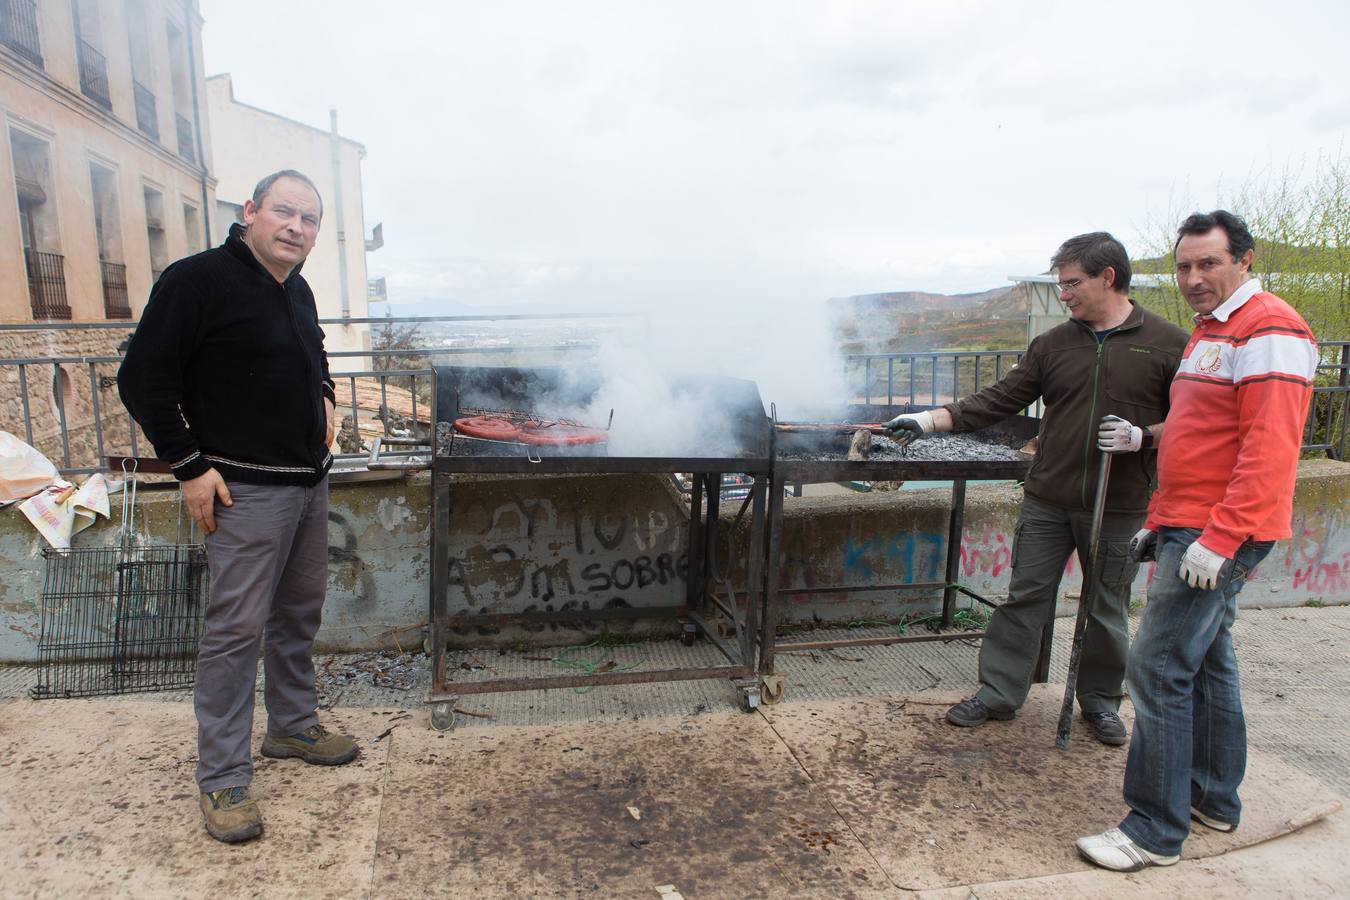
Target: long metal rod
[
  {"x": 864, "y": 588},
  {"x": 1085, "y": 597},
  {"x": 710, "y": 632},
  {"x": 443, "y": 690},
  {"x": 947, "y": 637}
]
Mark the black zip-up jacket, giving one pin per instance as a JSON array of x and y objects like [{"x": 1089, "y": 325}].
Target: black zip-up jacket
[
  {"x": 227, "y": 370},
  {"x": 1127, "y": 375}
]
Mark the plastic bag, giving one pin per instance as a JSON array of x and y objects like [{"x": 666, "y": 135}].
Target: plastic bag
[{"x": 23, "y": 470}]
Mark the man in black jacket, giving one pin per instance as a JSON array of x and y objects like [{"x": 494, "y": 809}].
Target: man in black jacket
[
  {"x": 1112, "y": 358},
  {"x": 227, "y": 376}
]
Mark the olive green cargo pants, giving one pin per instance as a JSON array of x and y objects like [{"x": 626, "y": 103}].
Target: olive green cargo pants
[{"x": 1045, "y": 536}]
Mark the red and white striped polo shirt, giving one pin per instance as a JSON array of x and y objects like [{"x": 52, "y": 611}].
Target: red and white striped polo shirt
[{"x": 1230, "y": 448}]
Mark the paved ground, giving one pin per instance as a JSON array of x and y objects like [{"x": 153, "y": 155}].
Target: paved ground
[{"x": 1295, "y": 678}]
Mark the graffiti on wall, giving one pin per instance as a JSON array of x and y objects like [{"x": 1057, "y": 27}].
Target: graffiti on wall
[
  {"x": 1317, "y": 556},
  {"x": 530, "y": 555}
]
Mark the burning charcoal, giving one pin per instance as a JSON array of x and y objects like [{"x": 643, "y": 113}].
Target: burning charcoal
[{"x": 943, "y": 447}]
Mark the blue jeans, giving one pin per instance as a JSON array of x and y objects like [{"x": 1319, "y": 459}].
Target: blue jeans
[{"x": 1189, "y": 746}]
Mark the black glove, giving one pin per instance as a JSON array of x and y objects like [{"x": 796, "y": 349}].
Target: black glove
[
  {"x": 908, "y": 426},
  {"x": 1144, "y": 545}
]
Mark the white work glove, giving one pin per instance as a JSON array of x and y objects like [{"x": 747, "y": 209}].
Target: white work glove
[
  {"x": 1144, "y": 545},
  {"x": 908, "y": 426},
  {"x": 1202, "y": 567},
  {"x": 1115, "y": 435}
]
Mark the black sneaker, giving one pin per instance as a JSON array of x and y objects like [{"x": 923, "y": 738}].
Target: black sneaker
[
  {"x": 1107, "y": 727},
  {"x": 972, "y": 711}
]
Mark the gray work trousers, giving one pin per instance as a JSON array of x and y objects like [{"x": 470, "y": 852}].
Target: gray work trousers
[
  {"x": 1046, "y": 534},
  {"x": 268, "y": 559}
]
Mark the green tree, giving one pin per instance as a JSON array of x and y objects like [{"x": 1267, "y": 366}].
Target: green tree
[{"x": 1301, "y": 222}]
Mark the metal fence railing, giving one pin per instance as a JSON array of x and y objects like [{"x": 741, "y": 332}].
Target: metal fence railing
[
  {"x": 68, "y": 406},
  {"x": 1329, "y": 416},
  {"x": 924, "y": 378},
  {"x": 931, "y": 379}
]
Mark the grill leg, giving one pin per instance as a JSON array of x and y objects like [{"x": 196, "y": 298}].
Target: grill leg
[
  {"x": 773, "y": 571},
  {"x": 955, "y": 525},
  {"x": 440, "y": 575},
  {"x": 754, "y": 573},
  {"x": 694, "y": 585},
  {"x": 713, "y": 484}
]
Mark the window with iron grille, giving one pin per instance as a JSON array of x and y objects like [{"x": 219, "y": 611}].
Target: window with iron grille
[
  {"x": 44, "y": 266},
  {"x": 19, "y": 29}
]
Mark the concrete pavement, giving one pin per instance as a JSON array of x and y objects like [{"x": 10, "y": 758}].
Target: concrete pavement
[{"x": 851, "y": 787}]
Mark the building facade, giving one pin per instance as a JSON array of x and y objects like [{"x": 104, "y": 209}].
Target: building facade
[
  {"x": 105, "y": 161},
  {"x": 105, "y": 154}
]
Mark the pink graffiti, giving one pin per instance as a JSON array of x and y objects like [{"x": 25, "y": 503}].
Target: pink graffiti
[
  {"x": 1324, "y": 577},
  {"x": 1306, "y": 556},
  {"x": 989, "y": 552}
]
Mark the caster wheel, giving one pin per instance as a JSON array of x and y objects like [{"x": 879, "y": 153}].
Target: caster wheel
[
  {"x": 750, "y": 700},
  {"x": 426, "y": 645},
  {"x": 772, "y": 689},
  {"x": 689, "y": 635},
  {"x": 442, "y": 717}
]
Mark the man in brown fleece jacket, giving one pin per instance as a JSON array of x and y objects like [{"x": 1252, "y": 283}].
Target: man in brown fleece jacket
[{"x": 1111, "y": 358}]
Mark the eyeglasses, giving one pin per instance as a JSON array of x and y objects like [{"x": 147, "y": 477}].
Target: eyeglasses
[{"x": 1070, "y": 285}]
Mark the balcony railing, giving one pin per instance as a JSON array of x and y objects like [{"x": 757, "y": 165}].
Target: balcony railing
[
  {"x": 46, "y": 284},
  {"x": 94, "y": 75},
  {"x": 115, "y": 303},
  {"x": 186, "y": 147},
  {"x": 146, "y": 120},
  {"x": 19, "y": 29}
]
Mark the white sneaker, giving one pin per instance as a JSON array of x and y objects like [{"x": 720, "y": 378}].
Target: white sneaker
[
  {"x": 1210, "y": 822},
  {"x": 1114, "y": 850}
]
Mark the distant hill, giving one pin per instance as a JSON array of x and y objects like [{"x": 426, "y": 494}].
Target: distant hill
[{"x": 917, "y": 321}]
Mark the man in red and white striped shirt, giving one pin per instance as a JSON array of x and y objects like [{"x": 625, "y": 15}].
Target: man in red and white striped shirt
[{"x": 1226, "y": 469}]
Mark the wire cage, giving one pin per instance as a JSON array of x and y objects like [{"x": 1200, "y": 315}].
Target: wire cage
[{"x": 120, "y": 619}]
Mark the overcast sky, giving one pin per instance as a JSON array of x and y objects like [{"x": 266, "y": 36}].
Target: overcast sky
[{"x": 768, "y": 155}]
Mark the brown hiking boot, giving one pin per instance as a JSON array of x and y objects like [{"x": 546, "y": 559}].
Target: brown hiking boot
[
  {"x": 315, "y": 744},
  {"x": 230, "y": 815}
]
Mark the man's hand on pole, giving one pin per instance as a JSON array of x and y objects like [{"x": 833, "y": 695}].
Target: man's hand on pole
[
  {"x": 200, "y": 494},
  {"x": 1144, "y": 545},
  {"x": 905, "y": 428},
  {"x": 1115, "y": 435},
  {"x": 1202, "y": 567},
  {"x": 328, "y": 416}
]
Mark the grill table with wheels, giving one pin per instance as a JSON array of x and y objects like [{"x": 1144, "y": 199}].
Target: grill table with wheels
[{"x": 521, "y": 396}]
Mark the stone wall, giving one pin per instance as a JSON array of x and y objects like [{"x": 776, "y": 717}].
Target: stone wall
[
  {"x": 78, "y": 385},
  {"x": 589, "y": 542}
]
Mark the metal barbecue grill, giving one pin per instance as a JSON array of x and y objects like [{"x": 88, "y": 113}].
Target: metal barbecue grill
[
  {"x": 501, "y": 399},
  {"x": 813, "y": 455}
]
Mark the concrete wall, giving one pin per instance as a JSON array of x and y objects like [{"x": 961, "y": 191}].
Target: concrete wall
[{"x": 596, "y": 541}]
